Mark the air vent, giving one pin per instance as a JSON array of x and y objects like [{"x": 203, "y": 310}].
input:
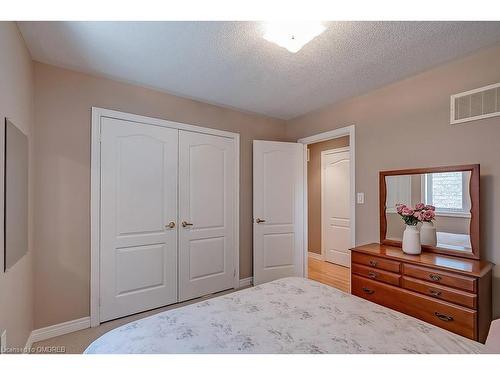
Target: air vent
[{"x": 475, "y": 104}]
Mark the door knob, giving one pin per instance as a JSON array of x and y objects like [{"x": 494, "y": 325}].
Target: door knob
[
  {"x": 186, "y": 224},
  {"x": 170, "y": 225},
  {"x": 258, "y": 221}
]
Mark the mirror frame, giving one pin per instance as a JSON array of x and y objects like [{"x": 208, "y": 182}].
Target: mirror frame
[{"x": 474, "y": 195}]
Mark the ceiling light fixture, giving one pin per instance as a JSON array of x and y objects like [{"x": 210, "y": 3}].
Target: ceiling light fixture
[{"x": 292, "y": 35}]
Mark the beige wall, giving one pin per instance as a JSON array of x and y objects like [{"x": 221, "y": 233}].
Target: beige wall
[
  {"x": 16, "y": 103},
  {"x": 406, "y": 125},
  {"x": 62, "y": 197},
  {"x": 314, "y": 189}
]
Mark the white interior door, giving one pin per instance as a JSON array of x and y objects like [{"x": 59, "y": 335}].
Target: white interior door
[
  {"x": 278, "y": 199},
  {"x": 138, "y": 252},
  {"x": 335, "y": 206},
  {"x": 207, "y": 192}
]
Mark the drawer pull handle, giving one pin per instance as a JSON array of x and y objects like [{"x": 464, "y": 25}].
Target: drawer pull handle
[
  {"x": 368, "y": 291},
  {"x": 435, "y": 293},
  {"x": 372, "y": 275},
  {"x": 434, "y": 277},
  {"x": 373, "y": 263},
  {"x": 444, "y": 317}
]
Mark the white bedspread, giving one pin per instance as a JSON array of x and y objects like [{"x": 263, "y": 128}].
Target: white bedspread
[{"x": 291, "y": 315}]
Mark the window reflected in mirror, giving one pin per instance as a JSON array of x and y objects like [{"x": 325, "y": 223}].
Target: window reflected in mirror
[{"x": 447, "y": 192}]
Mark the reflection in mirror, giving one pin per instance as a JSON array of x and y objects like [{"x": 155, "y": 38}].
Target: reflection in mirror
[{"x": 448, "y": 192}]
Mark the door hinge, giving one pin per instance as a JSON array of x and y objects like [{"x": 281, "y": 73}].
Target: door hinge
[{"x": 234, "y": 273}]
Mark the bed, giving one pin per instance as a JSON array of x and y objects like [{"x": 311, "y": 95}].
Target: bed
[{"x": 290, "y": 315}]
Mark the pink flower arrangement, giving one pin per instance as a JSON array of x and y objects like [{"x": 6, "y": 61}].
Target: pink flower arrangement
[
  {"x": 419, "y": 207},
  {"x": 413, "y": 216},
  {"x": 428, "y": 215}
]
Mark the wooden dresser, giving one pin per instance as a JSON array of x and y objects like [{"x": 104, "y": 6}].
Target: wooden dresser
[{"x": 450, "y": 292}]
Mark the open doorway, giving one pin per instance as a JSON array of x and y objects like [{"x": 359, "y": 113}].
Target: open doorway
[{"x": 330, "y": 207}]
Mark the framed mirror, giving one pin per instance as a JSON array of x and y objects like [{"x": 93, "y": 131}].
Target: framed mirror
[
  {"x": 451, "y": 193},
  {"x": 15, "y": 193}
]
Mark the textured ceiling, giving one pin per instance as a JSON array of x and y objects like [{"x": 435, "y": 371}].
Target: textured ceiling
[{"x": 230, "y": 64}]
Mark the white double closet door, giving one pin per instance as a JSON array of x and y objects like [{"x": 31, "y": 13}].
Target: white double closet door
[{"x": 152, "y": 180}]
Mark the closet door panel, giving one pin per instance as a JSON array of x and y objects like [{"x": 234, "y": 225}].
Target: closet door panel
[
  {"x": 207, "y": 184},
  {"x": 138, "y": 200}
]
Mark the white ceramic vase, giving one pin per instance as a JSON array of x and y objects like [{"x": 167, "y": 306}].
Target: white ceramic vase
[
  {"x": 428, "y": 234},
  {"x": 411, "y": 240}
]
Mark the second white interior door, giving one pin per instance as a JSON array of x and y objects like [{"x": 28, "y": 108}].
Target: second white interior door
[
  {"x": 206, "y": 214},
  {"x": 335, "y": 206}
]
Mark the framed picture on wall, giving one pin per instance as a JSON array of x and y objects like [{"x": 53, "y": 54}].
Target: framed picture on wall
[{"x": 14, "y": 160}]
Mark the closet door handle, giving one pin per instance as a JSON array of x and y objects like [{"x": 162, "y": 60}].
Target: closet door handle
[
  {"x": 186, "y": 224},
  {"x": 259, "y": 220},
  {"x": 170, "y": 225}
]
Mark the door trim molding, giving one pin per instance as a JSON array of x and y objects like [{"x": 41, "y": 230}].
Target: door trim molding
[
  {"x": 322, "y": 154},
  {"x": 95, "y": 192},
  {"x": 332, "y": 134}
]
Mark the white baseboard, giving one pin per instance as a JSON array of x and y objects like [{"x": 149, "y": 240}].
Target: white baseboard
[
  {"x": 315, "y": 255},
  {"x": 246, "y": 282},
  {"x": 29, "y": 343},
  {"x": 58, "y": 330}
]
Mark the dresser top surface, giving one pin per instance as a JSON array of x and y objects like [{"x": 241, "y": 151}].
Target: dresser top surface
[{"x": 465, "y": 266}]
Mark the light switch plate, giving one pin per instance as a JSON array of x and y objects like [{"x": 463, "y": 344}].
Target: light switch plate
[{"x": 360, "y": 198}]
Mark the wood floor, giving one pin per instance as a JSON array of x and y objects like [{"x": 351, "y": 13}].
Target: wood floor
[{"x": 330, "y": 274}]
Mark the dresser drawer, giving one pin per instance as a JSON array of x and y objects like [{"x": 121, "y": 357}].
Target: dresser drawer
[
  {"x": 383, "y": 264},
  {"x": 451, "y": 317},
  {"x": 440, "y": 277},
  {"x": 440, "y": 292},
  {"x": 376, "y": 274}
]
